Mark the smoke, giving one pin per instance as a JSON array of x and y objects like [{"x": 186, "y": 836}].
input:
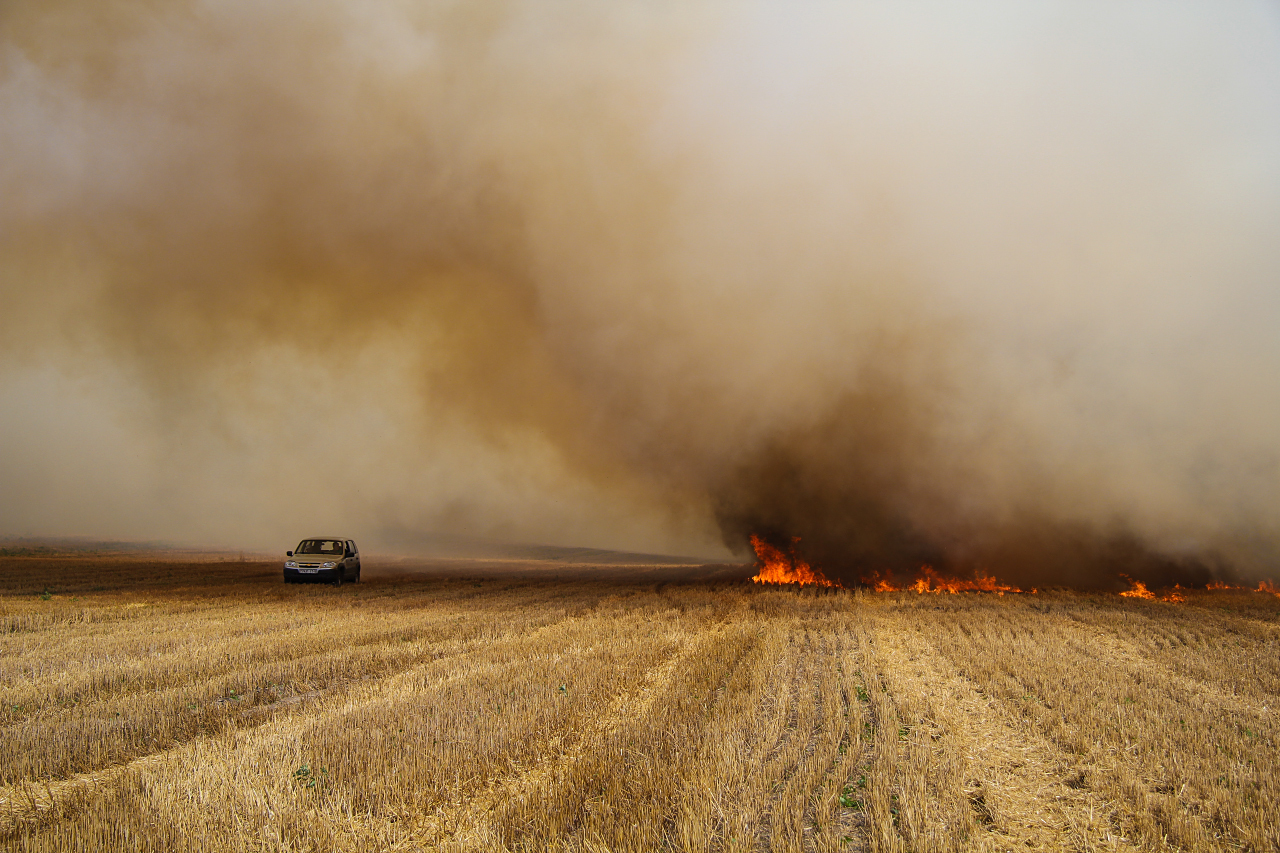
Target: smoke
[{"x": 916, "y": 285}]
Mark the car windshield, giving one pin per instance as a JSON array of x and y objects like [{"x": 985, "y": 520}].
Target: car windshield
[{"x": 320, "y": 546}]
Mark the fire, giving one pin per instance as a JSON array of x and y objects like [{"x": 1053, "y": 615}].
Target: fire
[
  {"x": 777, "y": 567},
  {"x": 1138, "y": 590},
  {"x": 880, "y": 584},
  {"x": 931, "y": 581},
  {"x": 1266, "y": 586}
]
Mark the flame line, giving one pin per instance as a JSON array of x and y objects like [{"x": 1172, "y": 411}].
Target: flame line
[
  {"x": 779, "y": 567},
  {"x": 929, "y": 581}
]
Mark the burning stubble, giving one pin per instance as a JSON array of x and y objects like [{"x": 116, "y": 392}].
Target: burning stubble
[{"x": 989, "y": 293}]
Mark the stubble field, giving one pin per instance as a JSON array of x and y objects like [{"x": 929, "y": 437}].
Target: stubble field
[{"x": 170, "y": 706}]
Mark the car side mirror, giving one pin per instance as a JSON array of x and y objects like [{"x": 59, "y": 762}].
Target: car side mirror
[{"x": 288, "y": 553}]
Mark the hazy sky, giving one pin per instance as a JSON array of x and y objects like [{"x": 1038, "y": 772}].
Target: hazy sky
[{"x": 906, "y": 280}]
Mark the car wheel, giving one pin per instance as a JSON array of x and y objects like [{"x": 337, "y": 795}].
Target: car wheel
[
  {"x": 357, "y": 580},
  {"x": 338, "y": 580}
]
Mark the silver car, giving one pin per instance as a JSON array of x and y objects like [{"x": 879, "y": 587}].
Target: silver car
[{"x": 325, "y": 559}]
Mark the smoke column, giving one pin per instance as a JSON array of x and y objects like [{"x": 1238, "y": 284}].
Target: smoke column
[{"x": 980, "y": 289}]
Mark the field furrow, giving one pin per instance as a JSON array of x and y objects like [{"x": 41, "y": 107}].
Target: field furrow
[{"x": 415, "y": 714}]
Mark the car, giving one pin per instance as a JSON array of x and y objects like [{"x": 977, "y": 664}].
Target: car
[{"x": 323, "y": 559}]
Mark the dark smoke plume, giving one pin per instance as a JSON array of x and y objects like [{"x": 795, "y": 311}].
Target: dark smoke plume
[{"x": 979, "y": 290}]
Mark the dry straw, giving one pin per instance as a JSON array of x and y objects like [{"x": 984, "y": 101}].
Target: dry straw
[{"x": 414, "y": 714}]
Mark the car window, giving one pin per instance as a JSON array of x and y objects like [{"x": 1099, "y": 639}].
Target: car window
[{"x": 319, "y": 546}]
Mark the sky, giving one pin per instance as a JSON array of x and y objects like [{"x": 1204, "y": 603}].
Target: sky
[{"x": 917, "y": 283}]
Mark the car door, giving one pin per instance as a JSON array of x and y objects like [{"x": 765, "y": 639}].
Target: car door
[{"x": 353, "y": 560}]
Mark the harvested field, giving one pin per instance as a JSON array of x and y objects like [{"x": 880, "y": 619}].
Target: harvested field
[{"x": 527, "y": 708}]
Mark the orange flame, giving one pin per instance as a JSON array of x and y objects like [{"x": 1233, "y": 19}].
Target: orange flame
[
  {"x": 931, "y": 581},
  {"x": 1138, "y": 589},
  {"x": 880, "y": 584},
  {"x": 777, "y": 567},
  {"x": 1263, "y": 586}
]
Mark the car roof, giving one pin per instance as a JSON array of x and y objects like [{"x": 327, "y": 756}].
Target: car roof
[{"x": 335, "y": 538}]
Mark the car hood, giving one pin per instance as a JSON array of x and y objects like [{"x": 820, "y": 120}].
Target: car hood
[{"x": 316, "y": 558}]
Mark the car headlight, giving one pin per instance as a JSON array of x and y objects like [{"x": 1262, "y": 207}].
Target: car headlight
[
  {"x": 329, "y": 565},
  {"x": 290, "y": 564}
]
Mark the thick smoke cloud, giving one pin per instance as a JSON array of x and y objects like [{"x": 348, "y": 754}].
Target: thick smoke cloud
[{"x": 982, "y": 290}]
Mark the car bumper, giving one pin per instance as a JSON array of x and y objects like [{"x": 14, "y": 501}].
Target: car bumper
[{"x": 316, "y": 576}]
